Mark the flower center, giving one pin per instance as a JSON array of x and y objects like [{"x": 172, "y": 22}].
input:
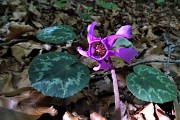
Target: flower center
[{"x": 98, "y": 49}]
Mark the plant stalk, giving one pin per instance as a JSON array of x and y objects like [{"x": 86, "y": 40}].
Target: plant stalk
[{"x": 116, "y": 91}]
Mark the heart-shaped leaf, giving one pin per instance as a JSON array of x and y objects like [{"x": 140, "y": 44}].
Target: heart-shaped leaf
[
  {"x": 58, "y": 74},
  {"x": 150, "y": 84},
  {"x": 56, "y": 34}
]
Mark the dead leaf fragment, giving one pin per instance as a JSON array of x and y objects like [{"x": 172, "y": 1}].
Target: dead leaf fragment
[
  {"x": 159, "y": 65},
  {"x": 150, "y": 35},
  {"x": 33, "y": 9},
  {"x": 14, "y": 2},
  {"x": 5, "y": 82},
  {"x": 148, "y": 113},
  {"x": 18, "y": 15},
  {"x": 73, "y": 116},
  {"x": 17, "y": 30},
  {"x": 156, "y": 49},
  {"x": 118, "y": 62},
  {"x": 69, "y": 116},
  {"x": 28, "y": 102},
  {"x": 96, "y": 116},
  {"x": 7, "y": 114},
  {"x": 89, "y": 62},
  {"x": 121, "y": 80},
  {"x": 21, "y": 80},
  {"x": 18, "y": 53}
]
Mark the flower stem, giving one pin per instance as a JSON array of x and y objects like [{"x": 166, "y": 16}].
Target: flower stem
[{"x": 116, "y": 91}]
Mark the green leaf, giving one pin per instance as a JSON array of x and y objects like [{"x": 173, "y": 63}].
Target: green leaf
[
  {"x": 59, "y": 4},
  {"x": 122, "y": 42},
  {"x": 173, "y": 74},
  {"x": 150, "y": 84},
  {"x": 88, "y": 8},
  {"x": 56, "y": 34},
  {"x": 107, "y": 5},
  {"x": 85, "y": 16},
  {"x": 58, "y": 74},
  {"x": 160, "y": 1}
]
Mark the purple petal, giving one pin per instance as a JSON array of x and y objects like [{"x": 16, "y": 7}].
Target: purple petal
[
  {"x": 102, "y": 65},
  {"x": 124, "y": 31},
  {"x": 109, "y": 40},
  {"x": 90, "y": 35},
  {"x": 82, "y": 52},
  {"x": 127, "y": 54}
]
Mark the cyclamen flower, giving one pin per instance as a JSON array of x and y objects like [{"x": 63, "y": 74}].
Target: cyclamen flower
[{"x": 101, "y": 48}]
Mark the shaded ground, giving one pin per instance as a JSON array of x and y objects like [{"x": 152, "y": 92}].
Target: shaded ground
[{"x": 152, "y": 25}]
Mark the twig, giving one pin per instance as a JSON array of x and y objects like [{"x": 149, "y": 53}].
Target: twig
[
  {"x": 177, "y": 45},
  {"x": 13, "y": 42},
  {"x": 167, "y": 39},
  {"x": 176, "y": 105},
  {"x": 150, "y": 61},
  {"x": 116, "y": 91}
]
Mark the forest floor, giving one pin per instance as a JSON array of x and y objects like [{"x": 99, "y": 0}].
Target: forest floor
[{"x": 154, "y": 28}]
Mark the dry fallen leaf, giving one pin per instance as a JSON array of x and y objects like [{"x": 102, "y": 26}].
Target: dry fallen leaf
[
  {"x": 7, "y": 114},
  {"x": 148, "y": 113},
  {"x": 17, "y": 30},
  {"x": 156, "y": 49},
  {"x": 159, "y": 65},
  {"x": 121, "y": 80},
  {"x": 69, "y": 116},
  {"x": 3, "y": 51},
  {"x": 37, "y": 24},
  {"x": 21, "y": 80},
  {"x": 28, "y": 102},
  {"x": 5, "y": 82},
  {"x": 33, "y": 9},
  {"x": 18, "y": 15},
  {"x": 18, "y": 53},
  {"x": 118, "y": 63},
  {"x": 88, "y": 62},
  {"x": 96, "y": 18},
  {"x": 21, "y": 50},
  {"x": 15, "y": 2},
  {"x": 155, "y": 57},
  {"x": 96, "y": 116},
  {"x": 73, "y": 116},
  {"x": 145, "y": 17}
]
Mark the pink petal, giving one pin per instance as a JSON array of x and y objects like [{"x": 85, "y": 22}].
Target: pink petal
[
  {"x": 82, "y": 52},
  {"x": 124, "y": 31},
  {"x": 102, "y": 65},
  {"x": 127, "y": 54},
  {"x": 90, "y": 35}
]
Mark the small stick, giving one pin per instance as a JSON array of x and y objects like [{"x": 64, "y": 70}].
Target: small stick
[
  {"x": 169, "y": 52},
  {"x": 150, "y": 61}
]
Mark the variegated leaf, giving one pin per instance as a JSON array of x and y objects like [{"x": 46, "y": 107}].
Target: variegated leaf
[
  {"x": 58, "y": 74},
  {"x": 56, "y": 34},
  {"x": 150, "y": 84}
]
